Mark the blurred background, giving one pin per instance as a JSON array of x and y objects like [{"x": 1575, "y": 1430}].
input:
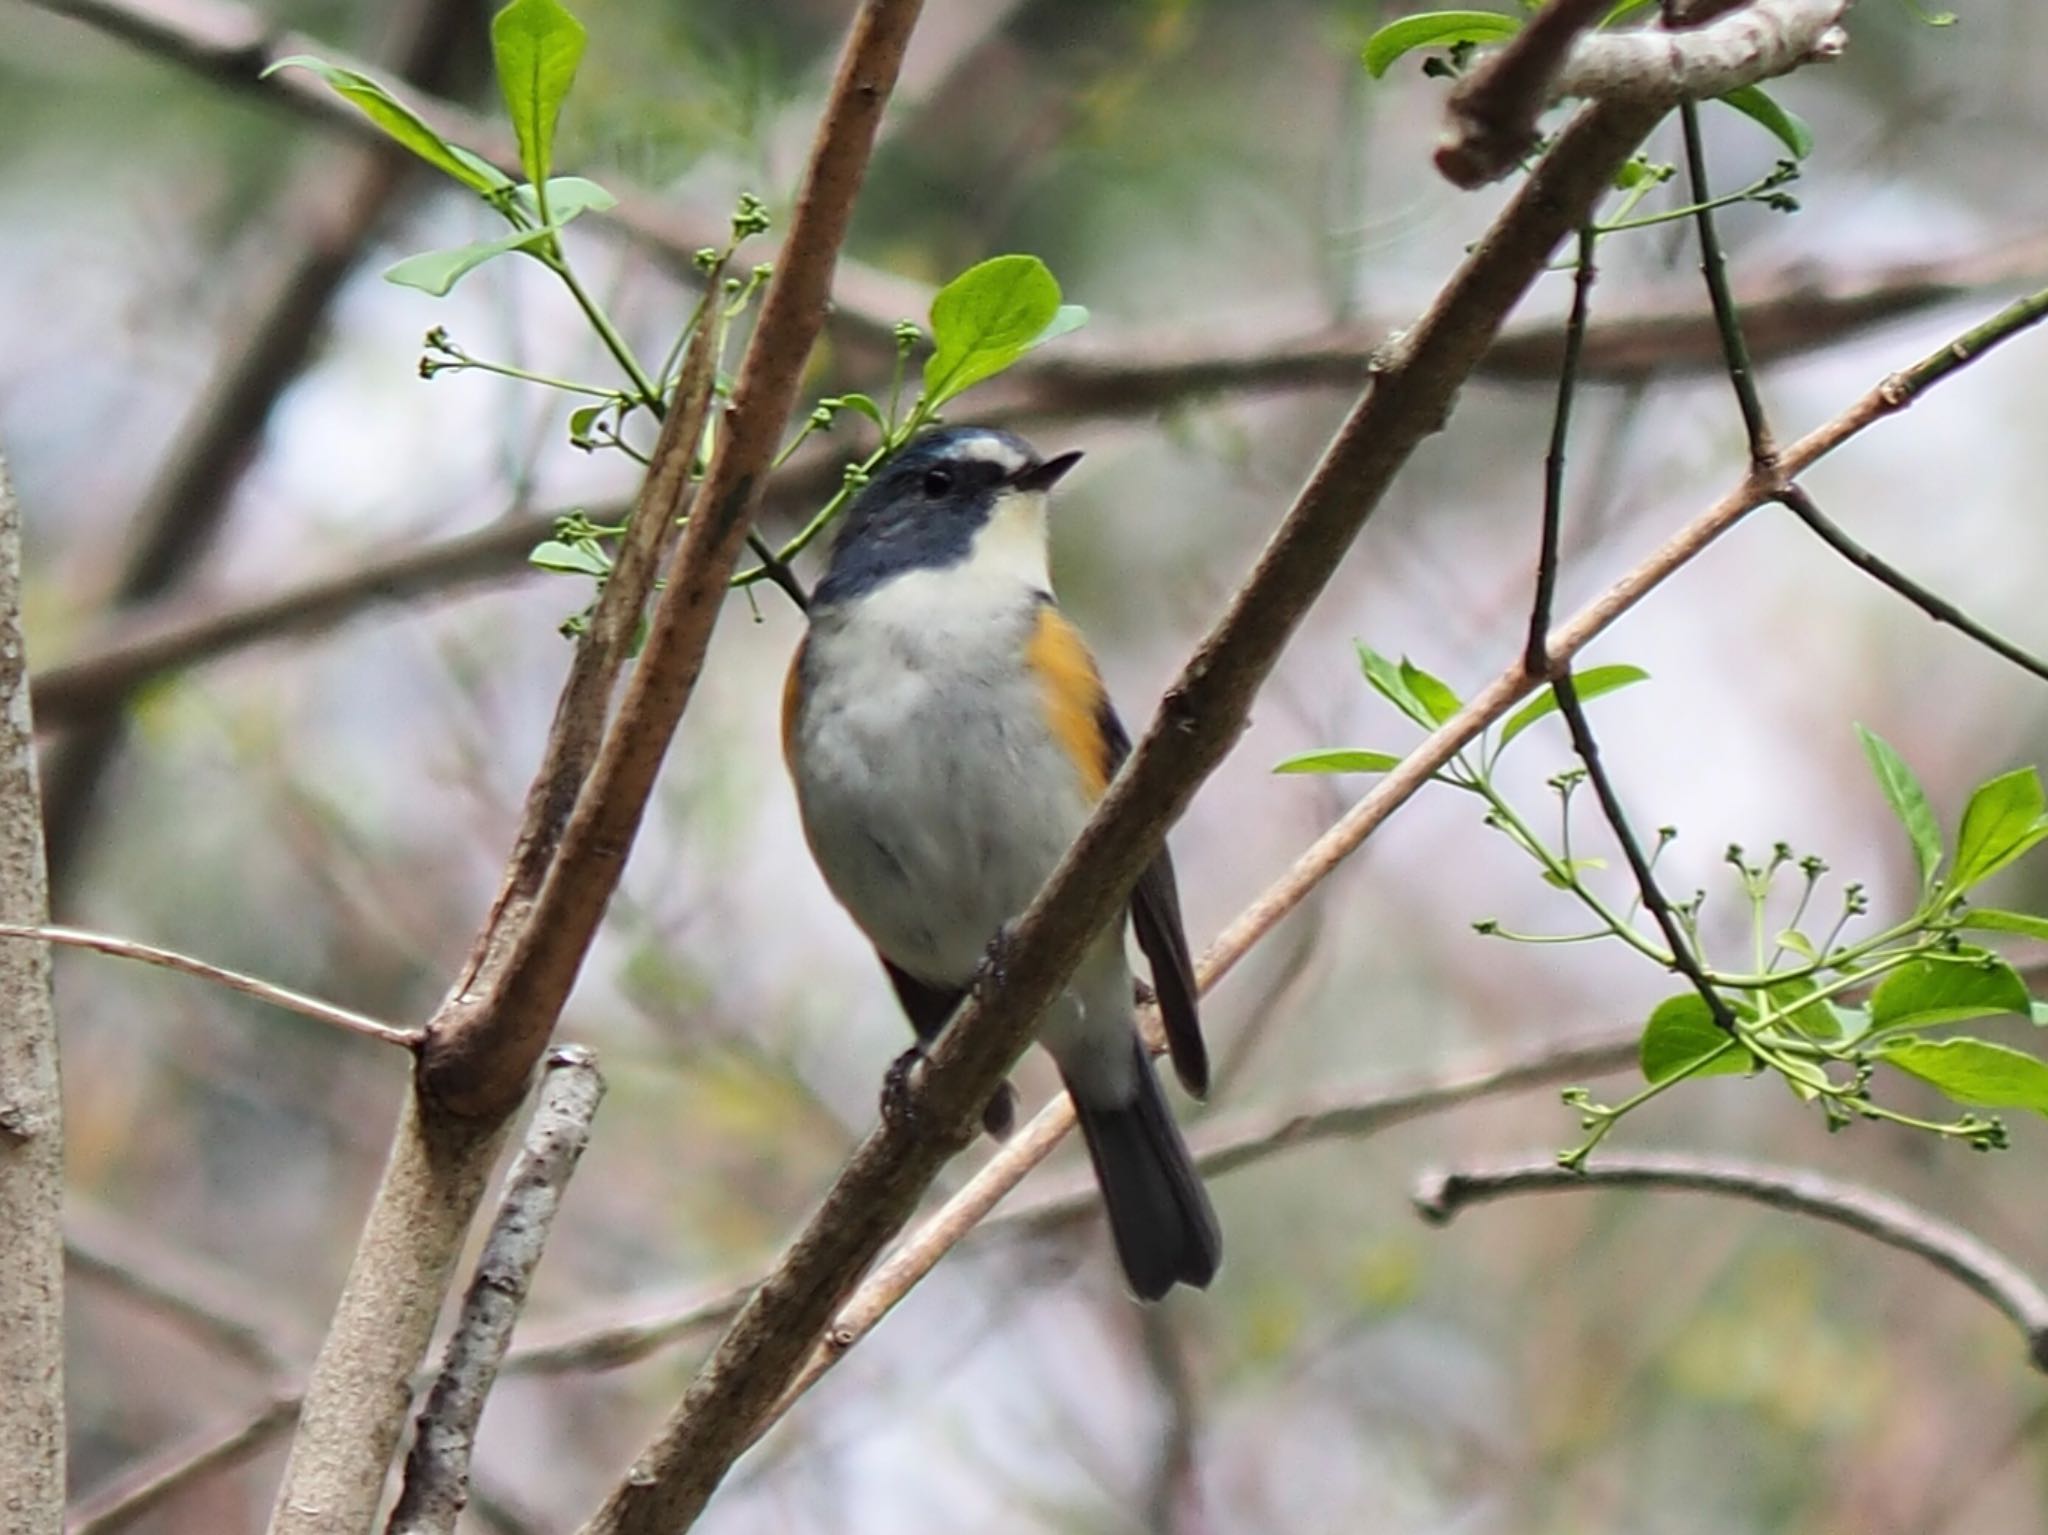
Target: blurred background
[{"x": 209, "y": 399}]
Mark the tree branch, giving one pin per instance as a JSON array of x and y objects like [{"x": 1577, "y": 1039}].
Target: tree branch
[
  {"x": 31, "y": 1107},
  {"x": 1440, "y": 1196},
  {"x": 1492, "y": 112},
  {"x": 437, "y": 1471},
  {"x": 146, "y": 1486}
]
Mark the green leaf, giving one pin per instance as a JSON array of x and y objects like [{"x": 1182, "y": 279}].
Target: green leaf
[
  {"x": 398, "y": 121},
  {"x": 1798, "y": 1008},
  {"x": 568, "y": 196},
  {"x": 1558, "y": 880},
  {"x": 864, "y": 405},
  {"x": 1591, "y": 684},
  {"x": 1434, "y": 29},
  {"x": 1760, "y": 108},
  {"x": 1065, "y": 320},
  {"x": 1437, "y": 700},
  {"x": 1907, "y": 799},
  {"x": 496, "y": 185},
  {"x": 1974, "y": 1071},
  {"x": 984, "y": 320},
  {"x": 437, "y": 272},
  {"x": 573, "y": 559},
  {"x": 1926, "y": 992},
  {"x": 583, "y": 420},
  {"x": 1682, "y": 1032},
  {"x": 2002, "y": 820},
  {"x": 1991, "y": 920},
  {"x": 1388, "y": 682},
  {"x": 1339, "y": 761},
  {"x": 537, "y": 45},
  {"x": 1798, "y": 943}
]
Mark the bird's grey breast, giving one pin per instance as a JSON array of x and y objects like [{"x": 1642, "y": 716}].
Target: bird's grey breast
[{"x": 933, "y": 792}]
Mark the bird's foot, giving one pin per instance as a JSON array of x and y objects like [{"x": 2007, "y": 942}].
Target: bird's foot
[
  {"x": 993, "y": 969},
  {"x": 899, "y": 1105}
]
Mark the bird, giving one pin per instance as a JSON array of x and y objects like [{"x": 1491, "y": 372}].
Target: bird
[{"x": 948, "y": 734}]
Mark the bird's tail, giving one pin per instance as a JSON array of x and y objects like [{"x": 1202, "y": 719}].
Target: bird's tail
[{"x": 1159, "y": 1214}]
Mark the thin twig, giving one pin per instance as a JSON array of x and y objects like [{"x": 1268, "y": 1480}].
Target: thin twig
[
  {"x": 1440, "y": 1196},
  {"x": 1795, "y": 499},
  {"x": 146, "y": 1486},
  {"x": 1534, "y": 656},
  {"x": 1714, "y": 268},
  {"x": 444, "y": 1440},
  {"x": 264, "y": 991}
]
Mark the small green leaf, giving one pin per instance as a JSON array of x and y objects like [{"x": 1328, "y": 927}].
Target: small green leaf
[
  {"x": 1682, "y": 1032},
  {"x": 1991, "y": 920},
  {"x": 1760, "y": 108},
  {"x": 1434, "y": 29},
  {"x": 2002, "y": 820},
  {"x": 1559, "y": 881},
  {"x": 1798, "y": 943},
  {"x": 984, "y": 320},
  {"x": 1798, "y": 1008},
  {"x": 1591, "y": 683},
  {"x": 1390, "y": 684},
  {"x": 1907, "y": 799},
  {"x": 1855, "y": 1021},
  {"x": 865, "y": 405},
  {"x": 437, "y": 272},
  {"x": 398, "y": 121},
  {"x": 572, "y": 559},
  {"x": 1431, "y": 692},
  {"x": 537, "y": 45},
  {"x": 1925, "y": 992},
  {"x": 1974, "y": 1071},
  {"x": 583, "y": 420},
  {"x": 495, "y": 184},
  {"x": 1339, "y": 761},
  {"x": 568, "y": 196},
  {"x": 1065, "y": 320}
]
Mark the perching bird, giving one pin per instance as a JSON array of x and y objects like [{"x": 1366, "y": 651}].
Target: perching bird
[{"x": 949, "y": 735}]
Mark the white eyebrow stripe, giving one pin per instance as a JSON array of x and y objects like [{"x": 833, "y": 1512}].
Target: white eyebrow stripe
[{"x": 990, "y": 449}]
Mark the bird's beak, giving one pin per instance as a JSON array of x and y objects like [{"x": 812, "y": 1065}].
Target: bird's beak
[{"x": 1042, "y": 477}]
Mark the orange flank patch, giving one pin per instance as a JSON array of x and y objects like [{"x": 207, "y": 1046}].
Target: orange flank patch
[
  {"x": 789, "y": 693},
  {"x": 1072, "y": 695}
]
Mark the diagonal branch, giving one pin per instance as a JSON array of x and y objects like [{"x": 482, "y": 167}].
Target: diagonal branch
[{"x": 1440, "y": 1196}]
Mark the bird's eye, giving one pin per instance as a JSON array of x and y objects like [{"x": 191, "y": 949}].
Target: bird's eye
[{"x": 937, "y": 481}]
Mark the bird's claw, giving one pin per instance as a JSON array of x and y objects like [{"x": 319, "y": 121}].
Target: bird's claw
[
  {"x": 899, "y": 1106},
  {"x": 993, "y": 968}
]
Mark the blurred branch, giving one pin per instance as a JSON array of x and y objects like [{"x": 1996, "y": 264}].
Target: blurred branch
[
  {"x": 205, "y": 1302},
  {"x": 264, "y": 991},
  {"x": 31, "y": 1106},
  {"x": 581, "y": 817},
  {"x": 154, "y": 640},
  {"x": 1174, "y": 1486},
  {"x": 232, "y": 45},
  {"x": 444, "y": 1440},
  {"x": 328, "y": 228},
  {"x": 1439, "y": 1197},
  {"x": 147, "y": 1485}
]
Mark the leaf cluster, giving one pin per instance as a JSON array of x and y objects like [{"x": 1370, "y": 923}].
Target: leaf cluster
[{"x": 1828, "y": 1013}]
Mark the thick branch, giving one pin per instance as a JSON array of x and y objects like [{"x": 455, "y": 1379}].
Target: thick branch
[
  {"x": 1439, "y": 1196},
  {"x": 481, "y": 1047},
  {"x": 437, "y": 1471},
  {"x": 31, "y": 1108}
]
